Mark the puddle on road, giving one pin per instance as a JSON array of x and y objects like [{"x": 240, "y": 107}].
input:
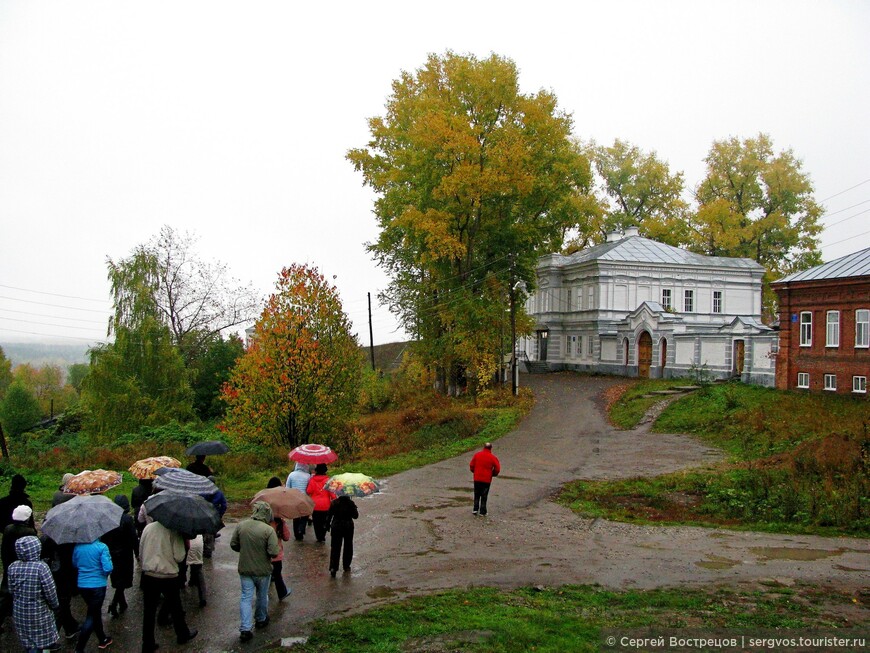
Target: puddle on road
[
  {"x": 789, "y": 553},
  {"x": 384, "y": 592},
  {"x": 717, "y": 562},
  {"x": 844, "y": 568}
]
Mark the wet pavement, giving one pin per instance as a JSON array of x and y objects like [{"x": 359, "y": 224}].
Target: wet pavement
[{"x": 418, "y": 535}]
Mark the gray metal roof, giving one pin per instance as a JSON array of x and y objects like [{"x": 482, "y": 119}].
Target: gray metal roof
[
  {"x": 643, "y": 250},
  {"x": 851, "y": 265}
]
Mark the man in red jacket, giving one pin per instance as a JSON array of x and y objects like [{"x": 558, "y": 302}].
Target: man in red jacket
[{"x": 484, "y": 465}]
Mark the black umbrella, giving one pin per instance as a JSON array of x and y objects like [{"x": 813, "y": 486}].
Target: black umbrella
[
  {"x": 207, "y": 448},
  {"x": 186, "y": 513}
]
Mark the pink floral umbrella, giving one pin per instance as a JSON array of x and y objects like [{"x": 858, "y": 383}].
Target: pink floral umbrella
[{"x": 312, "y": 454}]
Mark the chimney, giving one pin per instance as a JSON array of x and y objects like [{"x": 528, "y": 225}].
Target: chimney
[
  {"x": 613, "y": 236},
  {"x": 631, "y": 231}
]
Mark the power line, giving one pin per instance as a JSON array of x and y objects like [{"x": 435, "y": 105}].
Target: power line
[
  {"x": 834, "y": 224},
  {"x": 837, "y": 242},
  {"x": 844, "y": 191},
  {"x": 69, "y": 308},
  {"x": 40, "y": 292},
  {"x": 60, "y": 326},
  {"x": 54, "y": 317},
  {"x": 828, "y": 215},
  {"x": 49, "y": 335}
]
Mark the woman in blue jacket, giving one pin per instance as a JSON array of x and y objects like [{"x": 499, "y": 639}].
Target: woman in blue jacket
[{"x": 94, "y": 564}]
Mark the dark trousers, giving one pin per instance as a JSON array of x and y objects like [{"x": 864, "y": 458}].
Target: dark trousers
[
  {"x": 342, "y": 538},
  {"x": 320, "y": 518},
  {"x": 197, "y": 579},
  {"x": 152, "y": 589},
  {"x": 63, "y": 616},
  {"x": 94, "y": 598},
  {"x": 299, "y": 525},
  {"x": 481, "y": 492},
  {"x": 278, "y": 578}
]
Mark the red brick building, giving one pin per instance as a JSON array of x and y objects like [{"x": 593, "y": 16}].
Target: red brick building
[{"x": 824, "y": 318}]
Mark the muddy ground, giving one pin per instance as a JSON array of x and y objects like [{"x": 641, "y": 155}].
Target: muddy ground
[{"x": 419, "y": 535}]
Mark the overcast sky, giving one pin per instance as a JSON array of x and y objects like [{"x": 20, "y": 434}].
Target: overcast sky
[{"x": 232, "y": 119}]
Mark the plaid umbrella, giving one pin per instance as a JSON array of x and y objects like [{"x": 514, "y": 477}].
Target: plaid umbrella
[
  {"x": 185, "y": 513},
  {"x": 181, "y": 480},
  {"x": 286, "y": 503},
  {"x": 146, "y": 467},
  {"x": 312, "y": 454},
  {"x": 355, "y": 485},
  {"x": 82, "y": 519},
  {"x": 92, "y": 482}
]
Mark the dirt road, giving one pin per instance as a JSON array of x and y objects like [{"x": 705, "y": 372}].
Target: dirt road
[{"x": 419, "y": 535}]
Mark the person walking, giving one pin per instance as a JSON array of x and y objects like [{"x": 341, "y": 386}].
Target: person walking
[
  {"x": 20, "y": 526},
  {"x": 160, "y": 552},
  {"x": 219, "y": 501},
  {"x": 137, "y": 497},
  {"x": 94, "y": 564},
  {"x": 298, "y": 480},
  {"x": 58, "y": 557},
  {"x": 61, "y": 495},
  {"x": 194, "y": 563},
  {"x": 322, "y": 499},
  {"x": 123, "y": 543},
  {"x": 484, "y": 465},
  {"x": 283, "y": 533},
  {"x": 256, "y": 543},
  {"x": 342, "y": 512},
  {"x": 198, "y": 466},
  {"x": 16, "y": 497},
  {"x": 34, "y": 597}
]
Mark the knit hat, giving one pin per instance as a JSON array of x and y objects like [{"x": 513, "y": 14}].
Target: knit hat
[
  {"x": 122, "y": 501},
  {"x": 22, "y": 513}
]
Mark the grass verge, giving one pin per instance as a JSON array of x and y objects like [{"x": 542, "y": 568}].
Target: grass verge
[
  {"x": 798, "y": 464},
  {"x": 574, "y": 618}
]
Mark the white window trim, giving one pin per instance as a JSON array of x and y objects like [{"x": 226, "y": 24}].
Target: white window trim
[
  {"x": 670, "y": 303},
  {"x": 832, "y": 329},
  {"x": 803, "y": 376},
  {"x": 721, "y": 302},
  {"x": 866, "y": 323},
  {"x": 809, "y": 341},
  {"x": 689, "y": 294},
  {"x": 831, "y": 387},
  {"x": 856, "y": 382}
]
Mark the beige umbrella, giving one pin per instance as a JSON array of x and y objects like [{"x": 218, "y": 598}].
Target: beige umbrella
[
  {"x": 286, "y": 502},
  {"x": 146, "y": 467},
  {"x": 94, "y": 481}
]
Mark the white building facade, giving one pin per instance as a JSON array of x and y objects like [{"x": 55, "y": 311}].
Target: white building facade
[{"x": 636, "y": 307}]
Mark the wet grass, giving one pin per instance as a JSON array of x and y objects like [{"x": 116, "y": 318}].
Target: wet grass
[
  {"x": 798, "y": 464},
  {"x": 574, "y": 618}
]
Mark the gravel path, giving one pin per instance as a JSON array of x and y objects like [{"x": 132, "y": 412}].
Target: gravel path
[{"x": 419, "y": 535}]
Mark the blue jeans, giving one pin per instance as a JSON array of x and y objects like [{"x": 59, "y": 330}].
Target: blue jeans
[
  {"x": 94, "y": 598},
  {"x": 251, "y": 584}
]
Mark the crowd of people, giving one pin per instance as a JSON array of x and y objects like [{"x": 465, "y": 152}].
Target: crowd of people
[{"x": 41, "y": 577}]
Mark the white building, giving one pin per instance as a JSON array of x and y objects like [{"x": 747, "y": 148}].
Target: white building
[{"x": 636, "y": 307}]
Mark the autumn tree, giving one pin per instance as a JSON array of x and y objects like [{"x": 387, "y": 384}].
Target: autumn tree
[
  {"x": 640, "y": 191},
  {"x": 300, "y": 376},
  {"x": 210, "y": 371},
  {"x": 19, "y": 409},
  {"x": 474, "y": 180},
  {"x": 5, "y": 373},
  {"x": 47, "y": 385},
  {"x": 758, "y": 204},
  {"x": 193, "y": 298}
]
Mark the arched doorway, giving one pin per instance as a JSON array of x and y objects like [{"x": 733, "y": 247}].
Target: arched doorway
[{"x": 644, "y": 354}]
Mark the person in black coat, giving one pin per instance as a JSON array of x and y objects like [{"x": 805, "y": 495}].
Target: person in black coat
[
  {"x": 342, "y": 512},
  {"x": 16, "y": 497},
  {"x": 123, "y": 543},
  {"x": 137, "y": 498},
  {"x": 58, "y": 557}
]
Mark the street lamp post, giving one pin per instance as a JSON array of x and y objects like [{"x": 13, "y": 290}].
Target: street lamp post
[{"x": 515, "y": 373}]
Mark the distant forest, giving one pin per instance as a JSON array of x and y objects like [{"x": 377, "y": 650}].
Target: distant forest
[{"x": 39, "y": 354}]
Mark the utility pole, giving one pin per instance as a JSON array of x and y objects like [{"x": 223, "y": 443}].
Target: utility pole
[{"x": 371, "y": 333}]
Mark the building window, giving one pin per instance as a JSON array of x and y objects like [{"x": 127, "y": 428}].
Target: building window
[
  {"x": 667, "y": 299},
  {"x": 830, "y": 381},
  {"x": 862, "y": 328},
  {"x": 803, "y": 380},
  {"x": 806, "y": 329},
  {"x": 717, "y": 301},
  {"x": 568, "y": 345},
  {"x": 580, "y": 299},
  {"x": 590, "y": 297},
  {"x": 568, "y": 301},
  {"x": 832, "y": 333},
  {"x": 589, "y": 345},
  {"x": 688, "y": 301},
  {"x": 859, "y": 384}
]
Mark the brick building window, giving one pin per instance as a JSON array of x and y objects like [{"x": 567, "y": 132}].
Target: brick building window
[
  {"x": 688, "y": 301},
  {"x": 717, "y": 301},
  {"x": 832, "y": 331},
  {"x": 830, "y": 381},
  {"x": 803, "y": 380},
  {"x": 862, "y": 328},
  {"x": 667, "y": 298},
  {"x": 859, "y": 384},
  {"x": 806, "y": 329}
]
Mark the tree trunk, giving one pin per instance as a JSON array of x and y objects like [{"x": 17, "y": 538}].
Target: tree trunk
[{"x": 3, "y": 448}]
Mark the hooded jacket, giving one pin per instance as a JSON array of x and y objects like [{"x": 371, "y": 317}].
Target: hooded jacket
[
  {"x": 256, "y": 542},
  {"x": 299, "y": 477},
  {"x": 34, "y": 596},
  {"x": 484, "y": 465}
]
